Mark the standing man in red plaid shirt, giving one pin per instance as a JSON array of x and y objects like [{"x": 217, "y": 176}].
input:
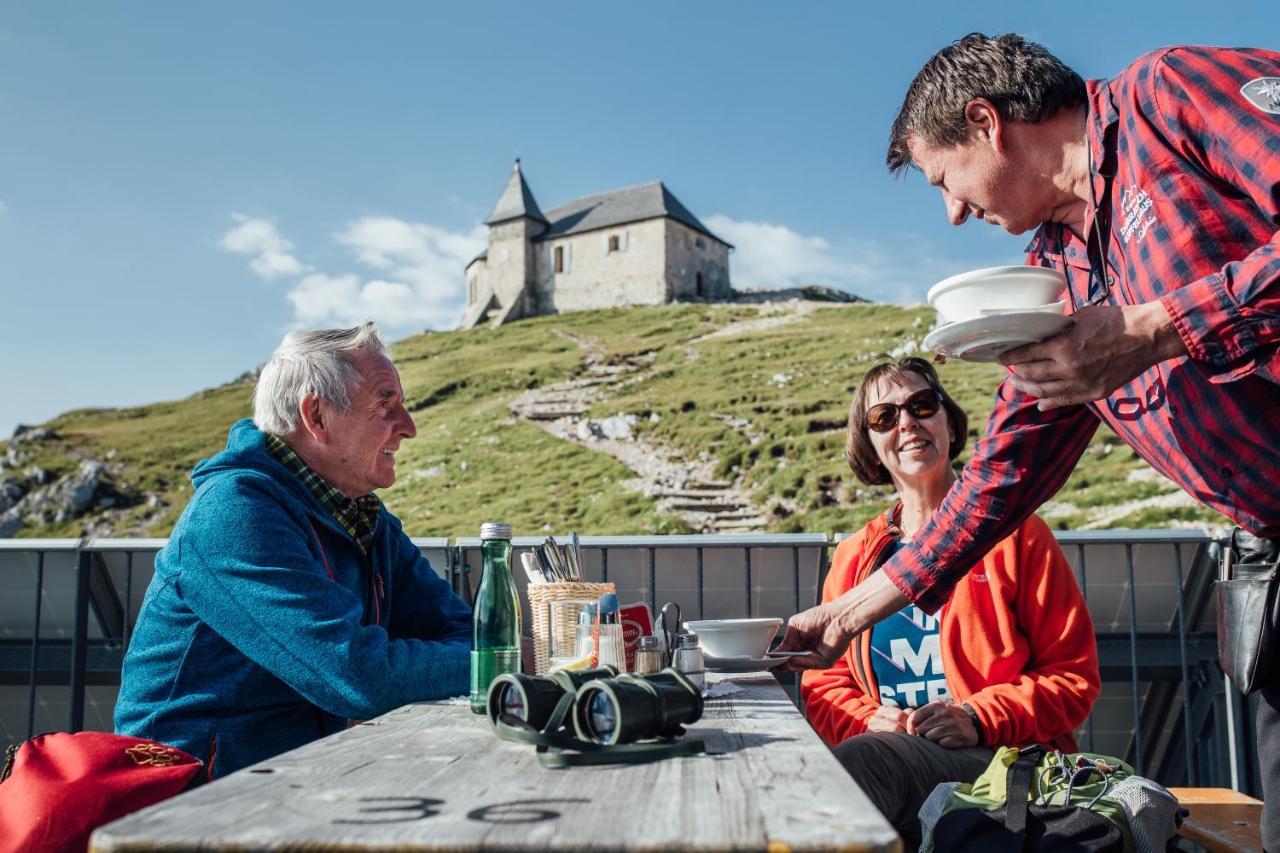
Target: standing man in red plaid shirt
[{"x": 1157, "y": 194}]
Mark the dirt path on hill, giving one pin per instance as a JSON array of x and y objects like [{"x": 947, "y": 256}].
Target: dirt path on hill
[{"x": 688, "y": 489}]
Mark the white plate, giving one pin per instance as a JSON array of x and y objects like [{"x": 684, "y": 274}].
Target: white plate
[
  {"x": 743, "y": 664},
  {"x": 985, "y": 338}
]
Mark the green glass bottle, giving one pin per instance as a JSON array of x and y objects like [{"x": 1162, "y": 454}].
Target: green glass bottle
[{"x": 495, "y": 621}]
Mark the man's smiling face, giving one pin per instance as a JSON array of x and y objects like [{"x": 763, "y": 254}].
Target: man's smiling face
[
  {"x": 365, "y": 438},
  {"x": 977, "y": 180}
]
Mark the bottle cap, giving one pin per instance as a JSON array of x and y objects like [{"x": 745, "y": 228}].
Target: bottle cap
[
  {"x": 495, "y": 530},
  {"x": 609, "y": 603}
]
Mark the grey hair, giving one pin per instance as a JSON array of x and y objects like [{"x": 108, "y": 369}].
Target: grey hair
[
  {"x": 1025, "y": 82},
  {"x": 321, "y": 362}
]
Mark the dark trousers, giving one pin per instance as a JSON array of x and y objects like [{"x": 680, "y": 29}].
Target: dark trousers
[
  {"x": 1268, "y": 725},
  {"x": 898, "y": 771}
]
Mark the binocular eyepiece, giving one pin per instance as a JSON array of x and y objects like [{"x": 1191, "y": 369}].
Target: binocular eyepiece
[{"x": 607, "y": 708}]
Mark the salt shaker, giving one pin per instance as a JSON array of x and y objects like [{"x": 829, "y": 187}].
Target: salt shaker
[
  {"x": 688, "y": 659},
  {"x": 648, "y": 656}
]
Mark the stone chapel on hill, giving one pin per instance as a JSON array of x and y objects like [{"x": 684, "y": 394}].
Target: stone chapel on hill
[{"x": 634, "y": 246}]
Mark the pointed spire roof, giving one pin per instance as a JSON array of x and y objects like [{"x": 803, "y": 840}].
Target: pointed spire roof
[{"x": 516, "y": 201}]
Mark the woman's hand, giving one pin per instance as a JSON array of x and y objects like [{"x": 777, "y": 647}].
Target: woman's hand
[
  {"x": 946, "y": 724},
  {"x": 887, "y": 718}
]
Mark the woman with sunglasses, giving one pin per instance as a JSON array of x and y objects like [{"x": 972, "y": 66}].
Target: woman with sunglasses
[{"x": 1009, "y": 660}]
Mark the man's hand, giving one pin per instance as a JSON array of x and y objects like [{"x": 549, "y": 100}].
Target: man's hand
[
  {"x": 887, "y": 718},
  {"x": 1103, "y": 349},
  {"x": 825, "y": 631},
  {"x": 945, "y": 724},
  {"x": 818, "y": 632}
]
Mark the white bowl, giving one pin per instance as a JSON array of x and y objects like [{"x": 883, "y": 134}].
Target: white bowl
[
  {"x": 732, "y": 638},
  {"x": 967, "y": 295}
]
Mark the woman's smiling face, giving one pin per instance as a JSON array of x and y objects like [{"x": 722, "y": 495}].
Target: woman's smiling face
[{"x": 913, "y": 449}]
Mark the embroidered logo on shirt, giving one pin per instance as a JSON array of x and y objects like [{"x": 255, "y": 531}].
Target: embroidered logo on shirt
[
  {"x": 1263, "y": 93},
  {"x": 1135, "y": 206}
]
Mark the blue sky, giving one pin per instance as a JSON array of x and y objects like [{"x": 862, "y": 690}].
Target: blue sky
[{"x": 181, "y": 183}]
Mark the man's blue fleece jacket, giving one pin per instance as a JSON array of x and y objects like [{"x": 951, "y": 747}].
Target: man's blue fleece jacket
[{"x": 246, "y": 646}]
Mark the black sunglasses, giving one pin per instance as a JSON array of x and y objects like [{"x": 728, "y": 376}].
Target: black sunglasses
[{"x": 920, "y": 405}]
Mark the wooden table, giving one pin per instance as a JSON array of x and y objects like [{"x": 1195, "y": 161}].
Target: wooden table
[{"x": 433, "y": 776}]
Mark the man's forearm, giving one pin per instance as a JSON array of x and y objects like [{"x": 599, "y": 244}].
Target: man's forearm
[{"x": 872, "y": 601}]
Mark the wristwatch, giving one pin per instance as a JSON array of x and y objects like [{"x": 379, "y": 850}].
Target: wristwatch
[{"x": 977, "y": 724}]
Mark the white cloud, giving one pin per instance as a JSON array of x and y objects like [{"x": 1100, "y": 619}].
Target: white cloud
[
  {"x": 419, "y": 272},
  {"x": 771, "y": 257},
  {"x": 270, "y": 251},
  {"x": 421, "y": 275}
]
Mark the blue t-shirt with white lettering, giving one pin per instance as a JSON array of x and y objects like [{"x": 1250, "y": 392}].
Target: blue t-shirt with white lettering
[{"x": 906, "y": 655}]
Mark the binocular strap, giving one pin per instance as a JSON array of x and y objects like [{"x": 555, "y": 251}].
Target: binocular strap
[{"x": 561, "y": 750}]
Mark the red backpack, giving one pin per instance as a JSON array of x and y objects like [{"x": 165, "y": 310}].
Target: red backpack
[{"x": 56, "y": 789}]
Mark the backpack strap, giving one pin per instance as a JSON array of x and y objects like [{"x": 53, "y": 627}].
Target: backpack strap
[{"x": 1018, "y": 789}]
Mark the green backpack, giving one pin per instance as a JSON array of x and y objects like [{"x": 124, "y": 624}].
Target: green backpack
[{"x": 1033, "y": 800}]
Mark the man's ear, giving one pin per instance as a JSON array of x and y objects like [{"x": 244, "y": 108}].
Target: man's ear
[
  {"x": 985, "y": 122},
  {"x": 312, "y": 418}
]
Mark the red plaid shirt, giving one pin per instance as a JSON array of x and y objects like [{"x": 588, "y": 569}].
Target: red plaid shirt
[{"x": 1193, "y": 143}]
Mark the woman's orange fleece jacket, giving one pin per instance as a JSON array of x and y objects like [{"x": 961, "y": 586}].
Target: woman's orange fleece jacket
[{"x": 1016, "y": 637}]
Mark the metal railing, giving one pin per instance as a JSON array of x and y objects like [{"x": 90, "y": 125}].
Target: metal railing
[{"x": 1166, "y": 706}]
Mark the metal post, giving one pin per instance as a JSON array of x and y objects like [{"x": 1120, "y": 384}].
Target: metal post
[
  {"x": 795, "y": 577},
  {"x": 128, "y": 599},
  {"x": 747, "y": 551},
  {"x": 35, "y": 648},
  {"x": 1133, "y": 660},
  {"x": 604, "y": 564},
  {"x": 653, "y": 580},
  {"x": 1192, "y": 765},
  {"x": 700, "y": 589},
  {"x": 80, "y": 638},
  {"x": 1084, "y": 586}
]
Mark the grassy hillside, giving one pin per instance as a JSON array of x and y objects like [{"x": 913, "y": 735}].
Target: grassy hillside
[{"x": 768, "y": 404}]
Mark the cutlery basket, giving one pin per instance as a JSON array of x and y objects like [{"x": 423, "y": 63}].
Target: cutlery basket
[{"x": 541, "y": 598}]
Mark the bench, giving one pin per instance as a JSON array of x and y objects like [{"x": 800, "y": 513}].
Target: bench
[{"x": 1221, "y": 819}]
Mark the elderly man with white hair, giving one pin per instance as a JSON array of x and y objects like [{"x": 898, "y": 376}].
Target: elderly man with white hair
[{"x": 288, "y": 599}]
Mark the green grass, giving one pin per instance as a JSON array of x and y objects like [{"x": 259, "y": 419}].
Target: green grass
[{"x": 473, "y": 461}]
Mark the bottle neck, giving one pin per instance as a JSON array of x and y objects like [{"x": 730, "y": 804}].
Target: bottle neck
[{"x": 497, "y": 556}]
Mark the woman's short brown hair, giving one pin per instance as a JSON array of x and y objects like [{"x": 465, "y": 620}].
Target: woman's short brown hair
[{"x": 858, "y": 448}]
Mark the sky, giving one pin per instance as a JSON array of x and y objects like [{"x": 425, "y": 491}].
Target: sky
[{"x": 183, "y": 183}]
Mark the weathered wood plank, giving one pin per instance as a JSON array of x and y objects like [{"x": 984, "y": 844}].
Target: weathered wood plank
[
  {"x": 1221, "y": 819},
  {"x": 434, "y": 777}
]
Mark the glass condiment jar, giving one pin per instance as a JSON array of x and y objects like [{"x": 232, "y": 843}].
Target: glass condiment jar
[
  {"x": 648, "y": 656},
  {"x": 688, "y": 659}
]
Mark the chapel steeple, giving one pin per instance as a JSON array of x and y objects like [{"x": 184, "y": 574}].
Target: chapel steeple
[{"x": 516, "y": 201}]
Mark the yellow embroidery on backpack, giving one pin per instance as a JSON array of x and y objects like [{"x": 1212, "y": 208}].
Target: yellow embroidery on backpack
[{"x": 152, "y": 755}]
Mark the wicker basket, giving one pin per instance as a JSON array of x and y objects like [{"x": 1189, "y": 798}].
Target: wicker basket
[{"x": 541, "y": 596}]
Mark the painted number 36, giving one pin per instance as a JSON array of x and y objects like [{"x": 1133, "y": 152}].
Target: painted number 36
[{"x": 407, "y": 809}]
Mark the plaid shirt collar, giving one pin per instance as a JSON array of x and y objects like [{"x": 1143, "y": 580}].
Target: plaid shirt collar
[{"x": 357, "y": 516}]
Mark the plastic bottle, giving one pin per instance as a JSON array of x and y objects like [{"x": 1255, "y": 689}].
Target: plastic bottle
[{"x": 495, "y": 620}]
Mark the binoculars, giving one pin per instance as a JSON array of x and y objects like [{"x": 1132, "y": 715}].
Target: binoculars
[{"x": 601, "y": 706}]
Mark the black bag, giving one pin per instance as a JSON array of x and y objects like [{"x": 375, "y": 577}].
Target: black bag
[
  {"x": 1020, "y": 825},
  {"x": 1249, "y": 611}
]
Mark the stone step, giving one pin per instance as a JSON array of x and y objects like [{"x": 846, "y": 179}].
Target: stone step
[
  {"x": 707, "y": 485},
  {"x": 552, "y": 414},
  {"x": 716, "y": 507},
  {"x": 743, "y": 514},
  {"x": 694, "y": 494},
  {"x": 755, "y": 526}
]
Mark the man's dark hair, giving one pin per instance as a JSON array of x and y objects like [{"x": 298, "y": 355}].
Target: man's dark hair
[{"x": 1024, "y": 81}]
